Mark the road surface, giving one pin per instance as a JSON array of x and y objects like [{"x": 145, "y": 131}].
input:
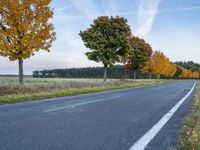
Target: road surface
[{"x": 113, "y": 120}]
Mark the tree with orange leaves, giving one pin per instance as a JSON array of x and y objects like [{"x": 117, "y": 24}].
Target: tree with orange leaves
[
  {"x": 159, "y": 65},
  {"x": 188, "y": 74},
  {"x": 25, "y": 29},
  {"x": 184, "y": 73},
  {"x": 148, "y": 67},
  {"x": 139, "y": 53},
  {"x": 171, "y": 69},
  {"x": 198, "y": 71},
  {"x": 195, "y": 75}
]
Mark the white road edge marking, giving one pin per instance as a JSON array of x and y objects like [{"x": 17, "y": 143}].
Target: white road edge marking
[{"x": 148, "y": 136}]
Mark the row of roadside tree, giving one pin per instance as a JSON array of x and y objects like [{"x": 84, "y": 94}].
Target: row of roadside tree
[
  {"x": 25, "y": 29},
  {"x": 117, "y": 72},
  {"x": 111, "y": 41}
]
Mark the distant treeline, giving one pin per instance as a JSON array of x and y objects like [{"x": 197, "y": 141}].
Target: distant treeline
[
  {"x": 189, "y": 65},
  {"x": 117, "y": 71}
]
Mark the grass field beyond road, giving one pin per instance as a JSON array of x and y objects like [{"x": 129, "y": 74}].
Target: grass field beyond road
[
  {"x": 43, "y": 88},
  {"x": 190, "y": 134}
]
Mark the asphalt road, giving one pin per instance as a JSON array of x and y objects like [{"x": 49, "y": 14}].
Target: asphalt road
[{"x": 112, "y": 120}]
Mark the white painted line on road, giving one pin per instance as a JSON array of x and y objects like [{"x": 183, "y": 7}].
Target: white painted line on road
[
  {"x": 147, "y": 137},
  {"x": 82, "y": 103}
]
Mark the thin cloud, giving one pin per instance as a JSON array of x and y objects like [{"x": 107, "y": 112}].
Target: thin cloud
[
  {"x": 188, "y": 8},
  {"x": 86, "y": 7},
  {"x": 68, "y": 18},
  {"x": 64, "y": 8},
  {"x": 146, "y": 15},
  {"x": 165, "y": 10},
  {"x": 179, "y": 9}
]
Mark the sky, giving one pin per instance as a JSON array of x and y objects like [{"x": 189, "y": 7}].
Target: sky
[{"x": 170, "y": 26}]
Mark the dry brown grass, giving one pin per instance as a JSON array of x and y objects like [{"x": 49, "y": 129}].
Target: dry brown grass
[
  {"x": 9, "y": 85},
  {"x": 7, "y": 89},
  {"x": 36, "y": 89}
]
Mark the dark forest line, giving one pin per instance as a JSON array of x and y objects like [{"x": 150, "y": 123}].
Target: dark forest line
[{"x": 117, "y": 71}]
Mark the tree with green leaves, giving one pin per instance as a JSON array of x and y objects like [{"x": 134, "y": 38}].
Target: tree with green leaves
[
  {"x": 107, "y": 39},
  {"x": 25, "y": 29},
  {"x": 138, "y": 55},
  {"x": 179, "y": 71}
]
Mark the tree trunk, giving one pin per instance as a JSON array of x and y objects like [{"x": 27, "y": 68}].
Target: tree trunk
[
  {"x": 105, "y": 73},
  {"x": 125, "y": 74},
  {"x": 158, "y": 76},
  {"x": 135, "y": 74},
  {"x": 150, "y": 75},
  {"x": 21, "y": 74}
]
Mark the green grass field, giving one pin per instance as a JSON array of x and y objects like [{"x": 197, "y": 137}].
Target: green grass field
[{"x": 43, "y": 88}]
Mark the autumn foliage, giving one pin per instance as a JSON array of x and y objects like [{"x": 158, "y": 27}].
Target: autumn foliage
[
  {"x": 188, "y": 73},
  {"x": 111, "y": 41},
  {"x": 139, "y": 53},
  {"x": 25, "y": 29},
  {"x": 159, "y": 65}
]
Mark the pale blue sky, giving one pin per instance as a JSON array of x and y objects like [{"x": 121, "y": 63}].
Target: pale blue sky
[{"x": 171, "y": 26}]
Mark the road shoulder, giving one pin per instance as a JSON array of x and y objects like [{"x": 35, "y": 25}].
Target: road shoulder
[{"x": 189, "y": 137}]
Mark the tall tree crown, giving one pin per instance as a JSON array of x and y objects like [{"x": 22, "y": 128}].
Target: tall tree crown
[
  {"x": 139, "y": 53},
  {"x": 107, "y": 39},
  {"x": 25, "y": 28}
]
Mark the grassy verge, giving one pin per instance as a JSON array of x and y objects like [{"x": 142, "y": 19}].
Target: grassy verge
[
  {"x": 190, "y": 134},
  {"x": 21, "y": 97}
]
